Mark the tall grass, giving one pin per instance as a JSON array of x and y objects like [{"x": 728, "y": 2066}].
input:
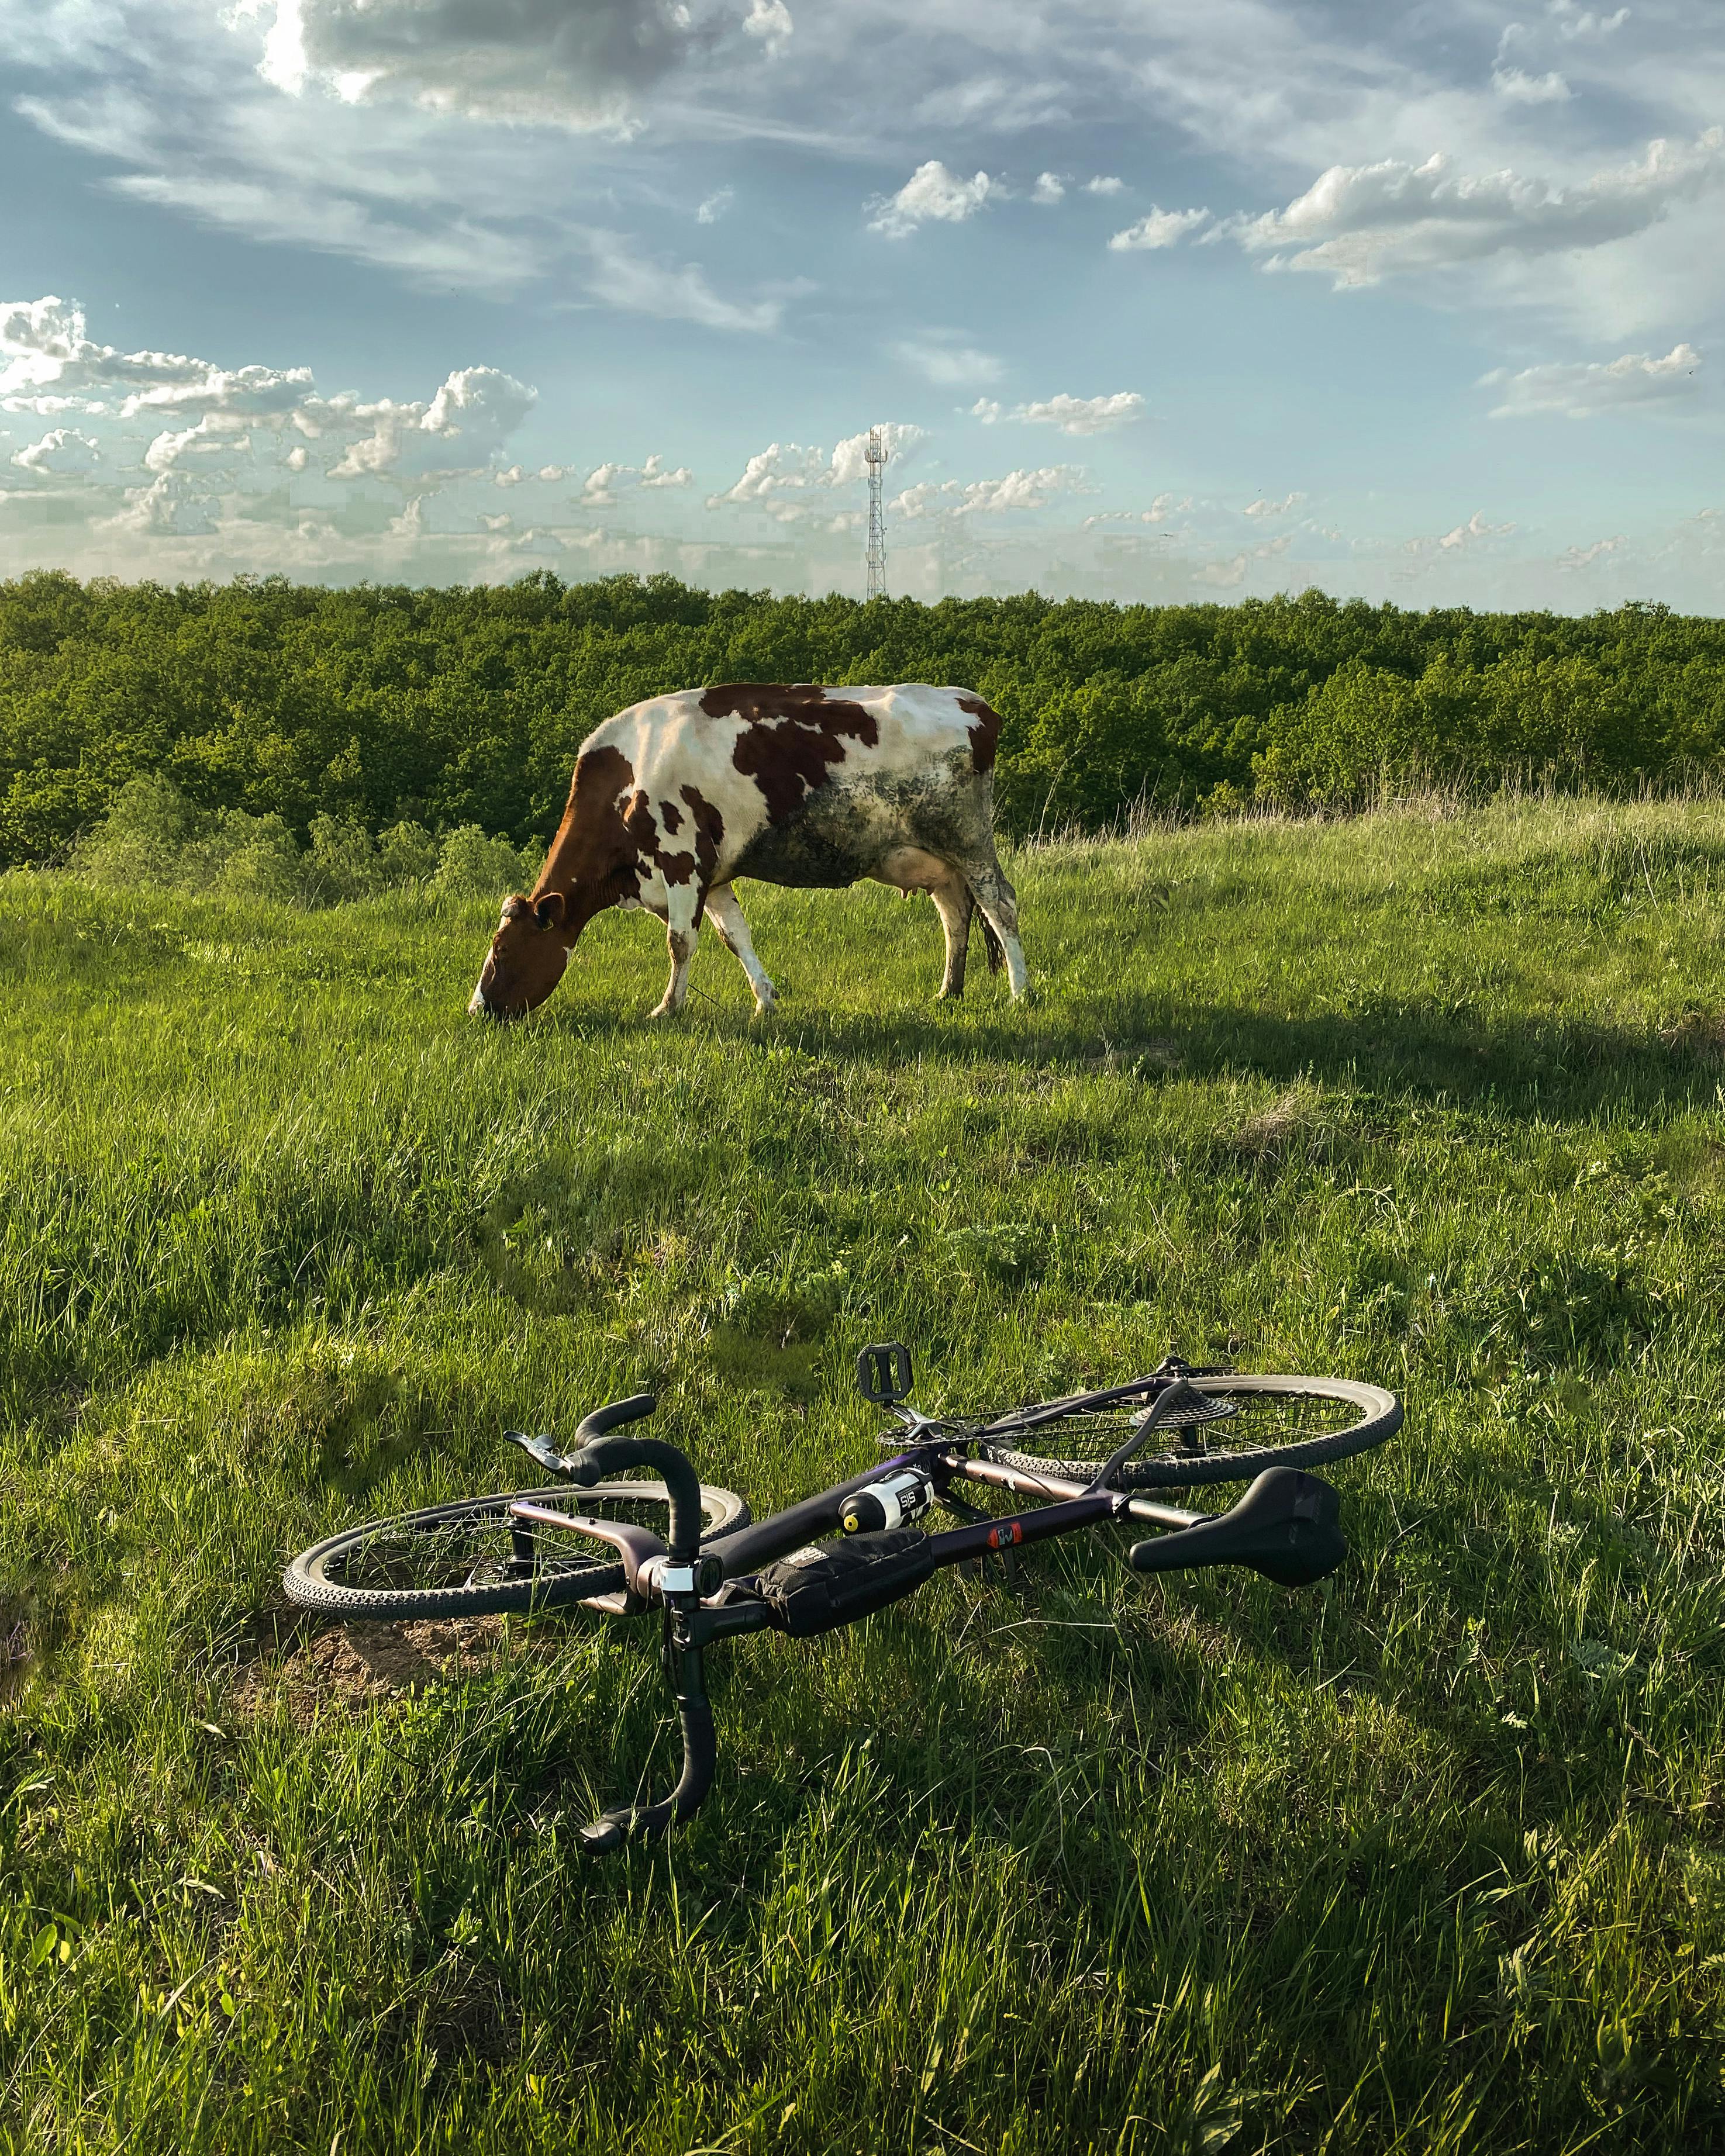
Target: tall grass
[{"x": 1428, "y": 1858}]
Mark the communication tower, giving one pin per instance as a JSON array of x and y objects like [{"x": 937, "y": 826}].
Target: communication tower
[{"x": 875, "y": 457}]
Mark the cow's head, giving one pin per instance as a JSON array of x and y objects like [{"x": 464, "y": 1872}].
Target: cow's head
[{"x": 527, "y": 956}]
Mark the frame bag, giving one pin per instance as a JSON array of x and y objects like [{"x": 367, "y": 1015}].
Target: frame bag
[{"x": 832, "y": 1582}]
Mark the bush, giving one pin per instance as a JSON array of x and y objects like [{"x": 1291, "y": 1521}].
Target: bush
[
  {"x": 154, "y": 835},
  {"x": 474, "y": 866}
]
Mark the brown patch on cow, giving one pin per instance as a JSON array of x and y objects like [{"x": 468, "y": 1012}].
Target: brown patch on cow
[
  {"x": 709, "y": 831},
  {"x": 671, "y": 817},
  {"x": 794, "y": 734},
  {"x": 593, "y": 862},
  {"x": 638, "y": 821},
  {"x": 984, "y": 735},
  {"x": 594, "y": 855}
]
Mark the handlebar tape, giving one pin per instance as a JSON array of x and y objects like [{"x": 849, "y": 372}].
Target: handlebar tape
[
  {"x": 614, "y": 1417},
  {"x": 606, "y": 1456}
]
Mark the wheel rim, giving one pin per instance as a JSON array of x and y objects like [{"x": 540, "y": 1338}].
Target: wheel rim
[{"x": 1249, "y": 1419}]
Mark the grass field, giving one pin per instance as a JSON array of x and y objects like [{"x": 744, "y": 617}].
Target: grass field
[{"x": 1429, "y": 1858}]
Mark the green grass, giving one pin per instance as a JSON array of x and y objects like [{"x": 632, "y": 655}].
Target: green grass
[{"x": 1431, "y": 1857}]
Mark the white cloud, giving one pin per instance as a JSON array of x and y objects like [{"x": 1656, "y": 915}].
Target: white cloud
[
  {"x": 1582, "y": 390},
  {"x": 948, "y": 364},
  {"x": 1072, "y": 415},
  {"x": 1162, "y": 227},
  {"x": 1477, "y": 531},
  {"x": 931, "y": 192},
  {"x": 216, "y": 440},
  {"x": 1363, "y": 222},
  {"x": 1104, "y": 184},
  {"x": 605, "y": 482},
  {"x": 1584, "y": 558},
  {"x": 62, "y": 452},
  {"x": 49, "y": 363},
  {"x": 714, "y": 206},
  {"x": 461, "y": 430},
  {"x": 1017, "y": 490},
  {"x": 625, "y": 280},
  {"x": 171, "y": 506},
  {"x": 784, "y": 468},
  {"x": 1222, "y": 576},
  {"x": 1049, "y": 189},
  {"x": 770, "y": 20},
  {"x": 580, "y": 66},
  {"x": 1265, "y": 508},
  {"x": 1578, "y": 21},
  {"x": 1520, "y": 88}
]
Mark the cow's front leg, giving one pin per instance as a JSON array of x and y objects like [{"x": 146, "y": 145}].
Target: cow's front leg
[
  {"x": 682, "y": 927},
  {"x": 725, "y": 914}
]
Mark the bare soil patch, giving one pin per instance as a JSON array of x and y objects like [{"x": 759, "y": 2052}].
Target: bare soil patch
[{"x": 360, "y": 1667}]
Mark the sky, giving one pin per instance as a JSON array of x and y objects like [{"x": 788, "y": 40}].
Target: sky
[{"x": 1162, "y": 299}]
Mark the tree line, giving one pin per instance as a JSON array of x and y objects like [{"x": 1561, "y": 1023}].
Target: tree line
[{"x": 390, "y": 709}]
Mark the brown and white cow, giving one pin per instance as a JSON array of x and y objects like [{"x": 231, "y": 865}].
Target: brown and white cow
[{"x": 675, "y": 797}]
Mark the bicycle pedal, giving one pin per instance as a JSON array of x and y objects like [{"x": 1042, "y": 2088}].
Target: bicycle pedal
[{"x": 883, "y": 1372}]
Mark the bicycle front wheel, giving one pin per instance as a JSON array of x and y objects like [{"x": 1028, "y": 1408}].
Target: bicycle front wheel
[
  {"x": 470, "y": 1559},
  {"x": 1242, "y": 1425}
]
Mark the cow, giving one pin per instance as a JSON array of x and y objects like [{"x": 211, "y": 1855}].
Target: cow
[{"x": 676, "y": 797}]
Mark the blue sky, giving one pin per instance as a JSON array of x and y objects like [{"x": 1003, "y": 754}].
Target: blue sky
[{"x": 1158, "y": 299}]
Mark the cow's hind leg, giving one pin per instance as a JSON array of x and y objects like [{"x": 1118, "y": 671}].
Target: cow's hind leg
[
  {"x": 999, "y": 904},
  {"x": 725, "y": 914},
  {"x": 908, "y": 868},
  {"x": 682, "y": 929}
]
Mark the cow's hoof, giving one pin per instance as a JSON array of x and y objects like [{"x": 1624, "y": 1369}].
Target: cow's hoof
[{"x": 766, "y": 1006}]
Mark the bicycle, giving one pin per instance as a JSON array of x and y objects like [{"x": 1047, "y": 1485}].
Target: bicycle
[{"x": 856, "y": 1547}]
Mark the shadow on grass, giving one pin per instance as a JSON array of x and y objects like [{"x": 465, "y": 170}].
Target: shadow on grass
[{"x": 1557, "y": 1068}]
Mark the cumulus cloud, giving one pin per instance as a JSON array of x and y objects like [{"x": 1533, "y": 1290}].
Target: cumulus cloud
[
  {"x": 1017, "y": 490},
  {"x": 779, "y": 477},
  {"x": 1265, "y": 508},
  {"x": 1072, "y": 415},
  {"x": 1584, "y": 558},
  {"x": 1582, "y": 391},
  {"x": 1104, "y": 184},
  {"x": 931, "y": 194},
  {"x": 62, "y": 452},
  {"x": 1162, "y": 227},
  {"x": 604, "y": 483},
  {"x": 1477, "y": 531},
  {"x": 580, "y": 66},
  {"x": 947, "y": 363},
  {"x": 1361, "y": 222},
  {"x": 49, "y": 363},
  {"x": 1049, "y": 189},
  {"x": 770, "y": 20},
  {"x": 714, "y": 206},
  {"x": 459, "y": 431}
]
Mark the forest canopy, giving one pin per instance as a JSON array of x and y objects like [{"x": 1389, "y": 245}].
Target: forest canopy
[{"x": 381, "y": 708}]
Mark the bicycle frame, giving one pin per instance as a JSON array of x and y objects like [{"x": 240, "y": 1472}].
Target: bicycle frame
[{"x": 1285, "y": 1527}]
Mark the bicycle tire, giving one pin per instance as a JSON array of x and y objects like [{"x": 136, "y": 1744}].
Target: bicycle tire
[
  {"x": 1189, "y": 1454},
  {"x": 474, "y": 1533}
]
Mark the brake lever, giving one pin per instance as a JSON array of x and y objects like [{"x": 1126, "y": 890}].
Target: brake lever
[{"x": 541, "y": 1451}]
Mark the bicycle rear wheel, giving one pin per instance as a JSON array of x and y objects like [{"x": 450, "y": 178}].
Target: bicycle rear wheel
[
  {"x": 1246, "y": 1424},
  {"x": 468, "y": 1560}
]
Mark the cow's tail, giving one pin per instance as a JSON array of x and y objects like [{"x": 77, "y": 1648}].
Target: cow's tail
[{"x": 991, "y": 943}]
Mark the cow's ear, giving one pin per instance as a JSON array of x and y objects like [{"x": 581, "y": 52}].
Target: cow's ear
[{"x": 549, "y": 910}]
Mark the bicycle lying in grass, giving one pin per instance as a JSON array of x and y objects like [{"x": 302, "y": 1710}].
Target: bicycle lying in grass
[{"x": 856, "y": 1547}]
